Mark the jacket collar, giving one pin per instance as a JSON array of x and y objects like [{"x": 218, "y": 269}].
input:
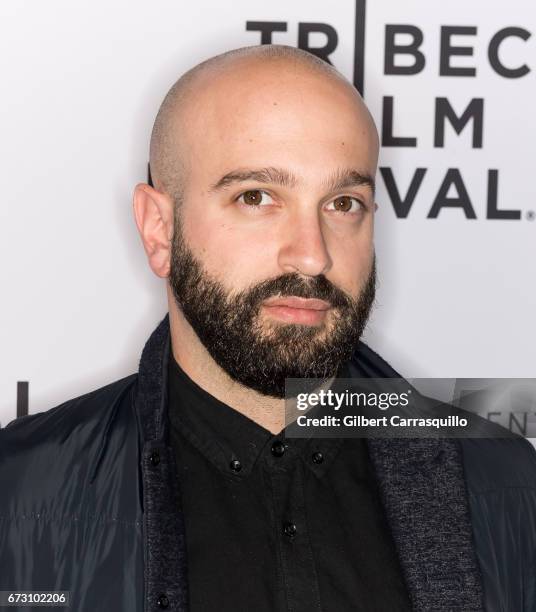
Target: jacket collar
[{"x": 421, "y": 482}]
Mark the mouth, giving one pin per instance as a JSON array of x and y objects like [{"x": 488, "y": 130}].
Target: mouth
[{"x": 298, "y": 310}]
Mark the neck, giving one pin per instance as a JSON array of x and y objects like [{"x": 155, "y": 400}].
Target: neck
[{"x": 197, "y": 363}]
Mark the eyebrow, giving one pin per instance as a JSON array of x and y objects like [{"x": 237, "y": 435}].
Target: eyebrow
[{"x": 341, "y": 179}]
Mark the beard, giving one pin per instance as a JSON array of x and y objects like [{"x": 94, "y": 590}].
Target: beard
[{"x": 260, "y": 356}]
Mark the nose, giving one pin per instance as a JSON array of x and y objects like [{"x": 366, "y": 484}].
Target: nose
[{"x": 304, "y": 247}]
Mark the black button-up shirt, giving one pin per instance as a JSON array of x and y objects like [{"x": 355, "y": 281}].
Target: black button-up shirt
[{"x": 277, "y": 524}]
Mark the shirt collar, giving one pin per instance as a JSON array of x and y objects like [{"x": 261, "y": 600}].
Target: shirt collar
[{"x": 233, "y": 442}]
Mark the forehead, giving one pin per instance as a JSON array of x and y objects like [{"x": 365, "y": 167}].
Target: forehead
[{"x": 275, "y": 115}]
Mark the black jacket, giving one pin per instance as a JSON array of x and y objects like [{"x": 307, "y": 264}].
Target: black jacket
[{"x": 90, "y": 503}]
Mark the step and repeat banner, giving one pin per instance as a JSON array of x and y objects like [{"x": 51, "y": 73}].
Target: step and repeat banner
[{"x": 452, "y": 89}]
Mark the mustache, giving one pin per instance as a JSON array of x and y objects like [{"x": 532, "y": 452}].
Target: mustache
[{"x": 292, "y": 284}]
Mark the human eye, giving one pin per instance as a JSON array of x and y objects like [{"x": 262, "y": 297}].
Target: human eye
[
  {"x": 255, "y": 197},
  {"x": 346, "y": 204}
]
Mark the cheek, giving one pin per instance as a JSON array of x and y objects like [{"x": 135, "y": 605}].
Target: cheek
[
  {"x": 238, "y": 255},
  {"x": 352, "y": 262}
]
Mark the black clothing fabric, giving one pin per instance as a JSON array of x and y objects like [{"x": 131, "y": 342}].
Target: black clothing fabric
[
  {"x": 274, "y": 523},
  {"x": 90, "y": 504}
]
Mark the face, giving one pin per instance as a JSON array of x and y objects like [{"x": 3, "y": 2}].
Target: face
[{"x": 272, "y": 254}]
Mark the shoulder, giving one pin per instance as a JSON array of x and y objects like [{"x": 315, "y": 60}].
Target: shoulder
[
  {"x": 492, "y": 464},
  {"x": 36, "y": 448},
  {"x": 69, "y": 416}
]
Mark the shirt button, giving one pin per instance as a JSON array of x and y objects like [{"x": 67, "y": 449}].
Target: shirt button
[
  {"x": 235, "y": 465},
  {"x": 289, "y": 529},
  {"x": 318, "y": 457},
  {"x": 163, "y": 601},
  {"x": 154, "y": 458},
  {"x": 278, "y": 448}
]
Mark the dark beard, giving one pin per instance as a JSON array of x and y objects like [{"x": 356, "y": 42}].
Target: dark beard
[{"x": 262, "y": 358}]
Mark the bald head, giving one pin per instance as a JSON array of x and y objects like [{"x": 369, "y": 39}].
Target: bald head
[{"x": 168, "y": 148}]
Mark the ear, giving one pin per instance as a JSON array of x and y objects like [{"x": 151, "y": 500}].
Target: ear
[
  {"x": 375, "y": 206},
  {"x": 153, "y": 211}
]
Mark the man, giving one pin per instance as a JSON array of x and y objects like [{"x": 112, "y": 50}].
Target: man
[{"x": 176, "y": 488}]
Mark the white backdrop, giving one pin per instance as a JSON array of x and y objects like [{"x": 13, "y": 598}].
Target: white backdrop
[{"x": 82, "y": 82}]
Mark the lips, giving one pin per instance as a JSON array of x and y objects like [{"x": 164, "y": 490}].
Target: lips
[
  {"x": 298, "y": 302},
  {"x": 297, "y": 310}
]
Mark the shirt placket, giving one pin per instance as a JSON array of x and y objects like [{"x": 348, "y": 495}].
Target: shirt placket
[{"x": 298, "y": 571}]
